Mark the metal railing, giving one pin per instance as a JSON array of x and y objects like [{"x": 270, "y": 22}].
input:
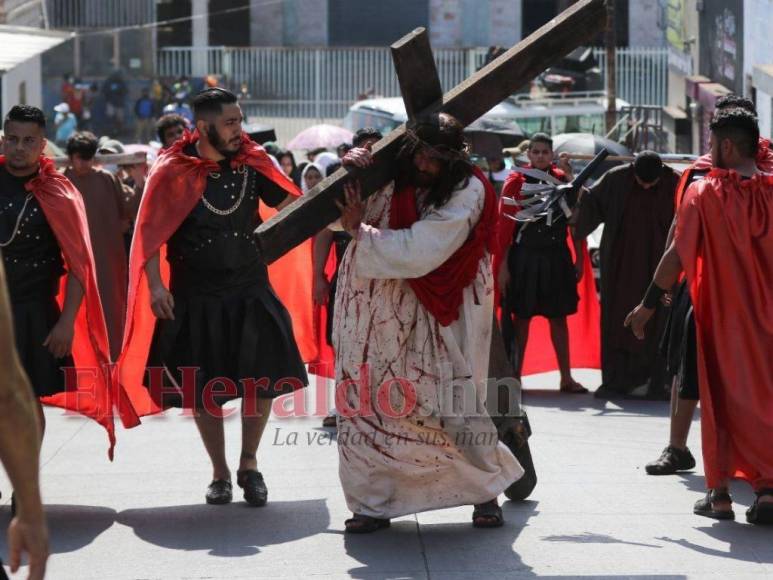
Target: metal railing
[
  {"x": 85, "y": 14},
  {"x": 346, "y": 73},
  {"x": 308, "y": 85},
  {"x": 642, "y": 74},
  {"x": 301, "y": 74}
]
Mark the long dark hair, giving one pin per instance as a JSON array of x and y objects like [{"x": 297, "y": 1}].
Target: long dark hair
[{"x": 441, "y": 136}]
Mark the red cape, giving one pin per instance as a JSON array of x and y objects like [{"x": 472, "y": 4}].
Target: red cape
[
  {"x": 584, "y": 326},
  {"x": 704, "y": 163},
  {"x": 95, "y": 393},
  {"x": 175, "y": 185},
  {"x": 724, "y": 238}
]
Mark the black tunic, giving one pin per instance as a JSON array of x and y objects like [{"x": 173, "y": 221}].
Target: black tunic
[
  {"x": 34, "y": 266},
  {"x": 228, "y": 322},
  {"x": 543, "y": 281},
  {"x": 679, "y": 344},
  {"x": 636, "y": 224}
]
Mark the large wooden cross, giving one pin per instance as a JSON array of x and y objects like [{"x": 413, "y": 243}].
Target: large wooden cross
[{"x": 422, "y": 93}]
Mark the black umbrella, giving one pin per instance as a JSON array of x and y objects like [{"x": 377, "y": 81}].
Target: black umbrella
[
  {"x": 487, "y": 138},
  {"x": 589, "y": 144},
  {"x": 259, "y": 133}
]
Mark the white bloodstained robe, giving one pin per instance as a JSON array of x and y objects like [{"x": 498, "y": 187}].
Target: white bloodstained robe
[{"x": 395, "y": 466}]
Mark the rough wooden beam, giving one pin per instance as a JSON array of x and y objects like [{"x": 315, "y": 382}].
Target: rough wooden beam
[
  {"x": 417, "y": 73},
  {"x": 468, "y": 101}
]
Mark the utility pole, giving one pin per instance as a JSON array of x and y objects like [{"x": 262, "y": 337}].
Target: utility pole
[{"x": 611, "y": 43}]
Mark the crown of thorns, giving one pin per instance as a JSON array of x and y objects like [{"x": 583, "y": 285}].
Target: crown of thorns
[{"x": 442, "y": 152}]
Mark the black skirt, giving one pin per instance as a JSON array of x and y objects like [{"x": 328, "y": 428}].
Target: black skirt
[
  {"x": 543, "y": 281},
  {"x": 240, "y": 344},
  {"x": 33, "y": 321}
]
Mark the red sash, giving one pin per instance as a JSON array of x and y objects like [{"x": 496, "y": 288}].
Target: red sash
[{"x": 441, "y": 291}]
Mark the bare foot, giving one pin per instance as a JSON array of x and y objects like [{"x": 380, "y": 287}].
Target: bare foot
[{"x": 573, "y": 387}]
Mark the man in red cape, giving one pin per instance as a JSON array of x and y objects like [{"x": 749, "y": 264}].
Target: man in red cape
[
  {"x": 679, "y": 340},
  {"x": 724, "y": 241},
  {"x": 539, "y": 272},
  {"x": 222, "y": 332},
  {"x": 64, "y": 352}
]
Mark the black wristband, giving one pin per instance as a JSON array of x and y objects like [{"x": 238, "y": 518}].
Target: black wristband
[{"x": 653, "y": 296}]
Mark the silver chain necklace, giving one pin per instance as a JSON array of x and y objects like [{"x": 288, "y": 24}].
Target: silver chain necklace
[
  {"x": 243, "y": 170},
  {"x": 18, "y": 222}
]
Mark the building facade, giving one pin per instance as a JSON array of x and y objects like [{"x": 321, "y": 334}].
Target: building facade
[
  {"x": 313, "y": 23},
  {"x": 758, "y": 61}
]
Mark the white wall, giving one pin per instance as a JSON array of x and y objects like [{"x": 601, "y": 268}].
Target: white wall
[
  {"x": 305, "y": 22},
  {"x": 30, "y": 74},
  {"x": 758, "y": 35},
  {"x": 765, "y": 114},
  {"x": 457, "y": 23},
  {"x": 445, "y": 23},
  {"x": 506, "y": 23},
  {"x": 643, "y": 20}
]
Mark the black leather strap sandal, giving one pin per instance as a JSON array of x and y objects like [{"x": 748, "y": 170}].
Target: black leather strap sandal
[
  {"x": 488, "y": 515},
  {"x": 761, "y": 513},
  {"x": 703, "y": 507},
  {"x": 360, "y": 524}
]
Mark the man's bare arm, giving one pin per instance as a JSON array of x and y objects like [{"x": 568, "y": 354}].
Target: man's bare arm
[
  {"x": 161, "y": 300},
  {"x": 669, "y": 269},
  {"x": 671, "y": 233},
  {"x": 667, "y": 274},
  {"x": 59, "y": 340},
  {"x": 20, "y": 448}
]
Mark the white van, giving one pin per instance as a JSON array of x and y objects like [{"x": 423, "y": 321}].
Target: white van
[{"x": 550, "y": 113}]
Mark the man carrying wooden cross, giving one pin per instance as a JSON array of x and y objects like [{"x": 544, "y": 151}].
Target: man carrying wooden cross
[
  {"x": 414, "y": 306},
  {"x": 413, "y": 322}
]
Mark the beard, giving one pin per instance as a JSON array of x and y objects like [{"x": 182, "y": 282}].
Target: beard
[
  {"x": 421, "y": 179},
  {"x": 719, "y": 161},
  {"x": 20, "y": 164},
  {"x": 220, "y": 144}
]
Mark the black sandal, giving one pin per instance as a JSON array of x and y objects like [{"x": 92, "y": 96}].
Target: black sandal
[
  {"x": 488, "y": 515},
  {"x": 704, "y": 508},
  {"x": 360, "y": 524},
  {"x": 761, "y": 513}
]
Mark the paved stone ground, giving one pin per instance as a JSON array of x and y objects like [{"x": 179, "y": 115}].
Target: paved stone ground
[{"x": 595, "y": 513}]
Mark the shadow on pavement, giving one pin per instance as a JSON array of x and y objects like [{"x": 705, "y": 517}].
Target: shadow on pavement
[
  {"x": 234, "y": 530},
  {"x": 445, "y": 549},
  {"x": 552, "y": 399},
  {"x": 745, "y": 542},
  {"x": 70, "y": 527},
  {"x": 591, "y": 538}
]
